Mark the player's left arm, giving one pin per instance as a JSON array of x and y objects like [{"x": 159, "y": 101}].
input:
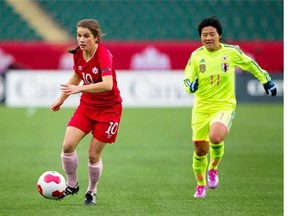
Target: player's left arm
[
  {"x": 248, "y": 64},
  {"x": 105, "y": 85}
]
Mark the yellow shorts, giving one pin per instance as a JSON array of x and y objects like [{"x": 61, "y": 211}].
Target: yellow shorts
[{"x": 201, "y": 123}]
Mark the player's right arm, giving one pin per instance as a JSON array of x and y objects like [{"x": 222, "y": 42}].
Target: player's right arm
[
  {"x": 74, "y": 80},
  {"x": 190, "y": 76}
]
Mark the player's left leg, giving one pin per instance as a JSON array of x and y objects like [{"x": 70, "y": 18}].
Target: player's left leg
[
  {"x": 220, "y": 126},
  {"x": 216, "y": 154},
  {"x": 105, "y": 129},
  {"x": 95, "y": 167}
]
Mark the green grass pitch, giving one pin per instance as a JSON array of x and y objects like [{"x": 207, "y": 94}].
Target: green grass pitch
[{"x": 148, "y": 170}]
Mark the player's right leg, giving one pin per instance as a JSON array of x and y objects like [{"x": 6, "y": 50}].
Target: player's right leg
[
  {"x": 70, "y": 191},
  {"x": 69, "y": 159},
  {"x": 199, "y": 165},
  {"x": 200, "y": 128}
]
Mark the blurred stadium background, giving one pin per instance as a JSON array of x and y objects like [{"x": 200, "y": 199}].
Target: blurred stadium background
[
  {"x": 143, "y": 20},
  {"x": 142, "y": 35},
  {"x": 151, "y": 42}
]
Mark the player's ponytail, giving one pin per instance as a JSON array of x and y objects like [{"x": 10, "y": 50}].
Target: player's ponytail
[{"x": 73, "y": 49}]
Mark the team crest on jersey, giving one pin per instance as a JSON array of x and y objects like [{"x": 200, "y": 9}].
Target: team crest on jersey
[
  {"x": 202, "y": 66},
  {"x": 94, "y": 70},
  {"x": 225, "y": 67}
]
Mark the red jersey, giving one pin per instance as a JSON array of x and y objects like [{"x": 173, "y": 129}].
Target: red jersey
[{"x": 92, "y": 71}]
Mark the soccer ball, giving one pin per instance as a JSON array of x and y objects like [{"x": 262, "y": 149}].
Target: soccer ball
[{"x": 51, "y": 185}]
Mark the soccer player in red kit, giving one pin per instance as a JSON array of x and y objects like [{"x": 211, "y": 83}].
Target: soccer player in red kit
[{"x": 99, "y": 111}]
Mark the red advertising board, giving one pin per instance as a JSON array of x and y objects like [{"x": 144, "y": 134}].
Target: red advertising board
[{"x": 129, "y": 55}]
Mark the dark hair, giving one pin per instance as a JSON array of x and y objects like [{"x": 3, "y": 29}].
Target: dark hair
[
  {"x": 94, "y": 26},
  {"x": 211, "y": 21}
]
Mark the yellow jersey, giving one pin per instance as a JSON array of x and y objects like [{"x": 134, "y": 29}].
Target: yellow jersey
[{"x": 215, "y": 71}]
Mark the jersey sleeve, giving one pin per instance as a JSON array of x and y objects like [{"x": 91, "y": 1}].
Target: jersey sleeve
[
  {"x": 105, "y": 60},
  {"x": 189, "y": 75},
  {"x": 248, "y": 64}
]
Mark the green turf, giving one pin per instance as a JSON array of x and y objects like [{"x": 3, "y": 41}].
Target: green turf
[{"x": 148, "y": 170}]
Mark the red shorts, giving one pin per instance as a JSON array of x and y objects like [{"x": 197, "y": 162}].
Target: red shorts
[{"x": 103, "y": 122}]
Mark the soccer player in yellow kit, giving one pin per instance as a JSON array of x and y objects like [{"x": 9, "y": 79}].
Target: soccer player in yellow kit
[{"x": 210, "y": 75}]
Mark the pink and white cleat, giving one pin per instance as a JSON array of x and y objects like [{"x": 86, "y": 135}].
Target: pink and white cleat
[
  {"x": 213, "y": 179},
  {"x": 200, "y": 191}
]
